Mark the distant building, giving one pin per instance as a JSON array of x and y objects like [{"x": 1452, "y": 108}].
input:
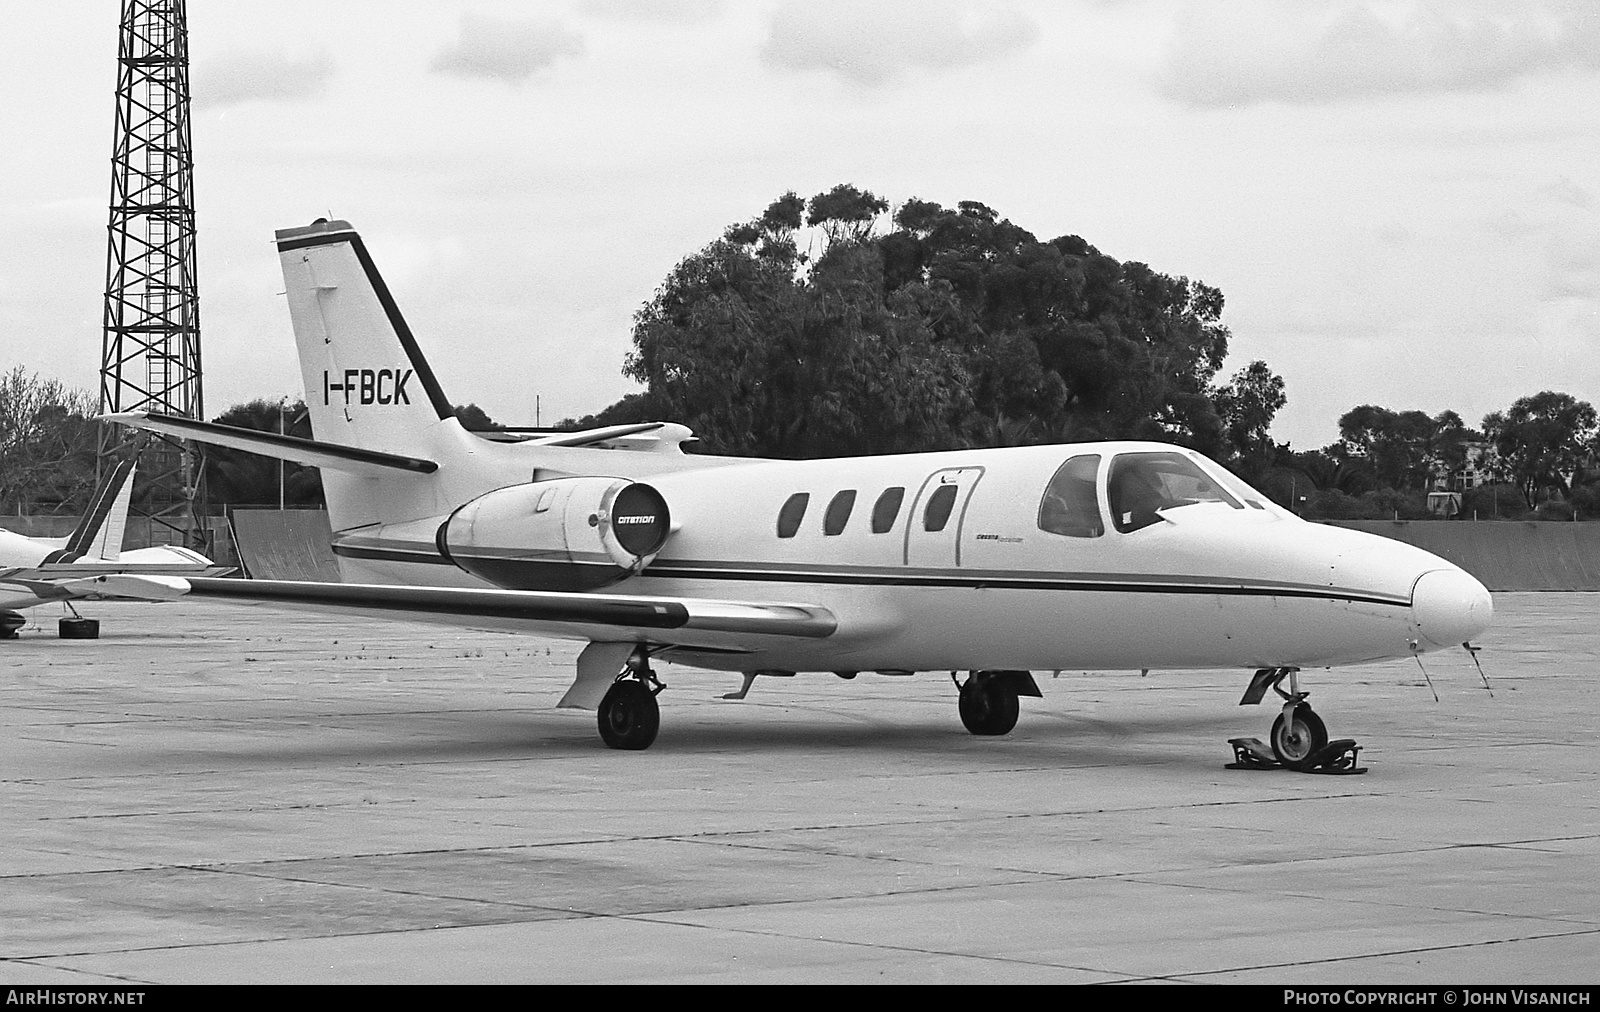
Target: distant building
[{"x": 1478, "y": 469}]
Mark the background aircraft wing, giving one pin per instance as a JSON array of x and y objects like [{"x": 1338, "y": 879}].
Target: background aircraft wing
[
  {"x": 24, "y": 588},
  {"x": 708, "y": 624}
]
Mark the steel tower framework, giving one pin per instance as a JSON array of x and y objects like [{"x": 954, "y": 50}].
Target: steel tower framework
[{"x": 150, "y": 353}]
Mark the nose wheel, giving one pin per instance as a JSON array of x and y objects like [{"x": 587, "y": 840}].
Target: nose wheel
[
  {"x": 1299, "y": 739},
  {"x": 1297, "y": 735}
]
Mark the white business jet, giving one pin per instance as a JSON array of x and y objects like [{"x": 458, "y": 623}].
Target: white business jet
[
  {"x": 90, "y": 563},
  {"x": 995, "y": 562}
]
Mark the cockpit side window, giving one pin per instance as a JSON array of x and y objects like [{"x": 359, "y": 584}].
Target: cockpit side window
[
  {"x": 1070, "y": 505},
  {"x": 1142, "y": 483}
]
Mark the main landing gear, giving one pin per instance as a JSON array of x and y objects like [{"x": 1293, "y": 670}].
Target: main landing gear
[
  {"x": 988, "y": 701},
  {"x": 629, "y": 716},
  {"x": 1299, "y": 740}
]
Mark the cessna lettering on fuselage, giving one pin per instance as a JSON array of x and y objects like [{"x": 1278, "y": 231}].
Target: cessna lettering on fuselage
[
  {"x": 368, "y": 386},
  {"x": 1111, "y": 555}
]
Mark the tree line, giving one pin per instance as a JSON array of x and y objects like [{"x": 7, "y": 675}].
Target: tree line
[{"x": 830, "y": 326}]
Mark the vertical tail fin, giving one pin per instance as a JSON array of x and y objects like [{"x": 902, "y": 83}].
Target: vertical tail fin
[
  {"x": 99, "y": 533},
  {"x": 367, "y": 383}
]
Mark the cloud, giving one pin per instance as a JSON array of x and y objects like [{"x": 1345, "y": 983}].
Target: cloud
[
  {"x": 871, "y": 41},
  {"x": 1572, "y": 243},
  {"x": 260, "y": 77},
  {"x": 672, "y": 12},
  {"x": 508, "y": 49},
  {"x": 1243, "y": 53}
]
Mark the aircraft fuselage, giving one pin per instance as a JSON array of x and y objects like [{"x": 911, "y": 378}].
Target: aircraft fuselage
[{"x": 978, "y": 582}]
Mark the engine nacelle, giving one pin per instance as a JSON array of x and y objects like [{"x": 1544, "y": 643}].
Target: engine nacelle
[{"x": 562, "y": 534}]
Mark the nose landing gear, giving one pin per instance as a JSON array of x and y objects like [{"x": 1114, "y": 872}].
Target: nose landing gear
[
  {"x": 1297, "y": 735},
  {"x": 1299, "y": 740}
]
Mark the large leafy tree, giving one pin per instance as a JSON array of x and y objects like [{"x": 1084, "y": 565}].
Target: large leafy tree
[
  {"x": 956, "y": 327},
  {"x": 758, "y": 363},
  {"x": 1247, "y": 404},
  {"x": 1544, "y": 441}
]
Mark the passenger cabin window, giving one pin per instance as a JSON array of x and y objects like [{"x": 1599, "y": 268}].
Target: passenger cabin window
[
  {"x": 794, "y": 511},
  {"x": 838, "y": 513},
  {"x": 1142, "y": 483},
  {"x": 886, "y": 509},
  {"x": 1070, "y": 505},
  {"x": 940, "y": 504}
]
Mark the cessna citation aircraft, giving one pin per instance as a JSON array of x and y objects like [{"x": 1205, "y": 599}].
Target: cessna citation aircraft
[
  {"x": 89, "y": 563},
  {"x": 996, "y": 561}
]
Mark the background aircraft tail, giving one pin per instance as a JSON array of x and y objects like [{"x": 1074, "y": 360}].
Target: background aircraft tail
[{"x": 99, "y": 533}]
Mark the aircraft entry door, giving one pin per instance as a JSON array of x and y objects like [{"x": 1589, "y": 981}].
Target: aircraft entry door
[{"x": 933, "y": 528}]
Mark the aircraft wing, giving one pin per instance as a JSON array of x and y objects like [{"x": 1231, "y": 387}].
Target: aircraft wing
[
  {"x": 707, "y": 624},
  {"x": 25, "y": 588}
]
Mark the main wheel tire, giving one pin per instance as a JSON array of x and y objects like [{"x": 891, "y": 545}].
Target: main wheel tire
[
  {"x": 78, "y": 628},
  {"x": 1296, "y": 740},
  {"x": 988, "y": 707},
  {"x": 629, "y": 716}
]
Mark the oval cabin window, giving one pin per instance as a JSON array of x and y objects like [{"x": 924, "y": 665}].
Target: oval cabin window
[
  {"x": 886, "y": 509},
  {"x": 940, "y": 504},
  {"x": 794, "y": 511},
  {"x": 838, "y": 513}
]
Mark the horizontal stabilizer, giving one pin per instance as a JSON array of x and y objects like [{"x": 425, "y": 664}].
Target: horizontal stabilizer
[
  {"x": 588, "y": 437},
  {"x": 370, "y": 463}
]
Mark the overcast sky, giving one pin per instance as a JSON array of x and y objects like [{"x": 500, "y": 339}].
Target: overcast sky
[{"x": 1400, "y": 201}]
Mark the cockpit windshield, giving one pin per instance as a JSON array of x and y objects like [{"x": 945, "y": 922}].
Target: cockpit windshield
[{"x": 1144, "y": 482}]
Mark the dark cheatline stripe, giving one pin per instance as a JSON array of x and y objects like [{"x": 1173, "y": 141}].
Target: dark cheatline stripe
[
  {"x": 597, "y": 609},
  {"x": 1023, "y": 583},
  {"x": 663, "y": 570},
  {"x": 391, "y": 554}
]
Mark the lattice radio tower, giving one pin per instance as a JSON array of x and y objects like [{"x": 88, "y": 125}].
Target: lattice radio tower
[{"x": 150, "y": 357}]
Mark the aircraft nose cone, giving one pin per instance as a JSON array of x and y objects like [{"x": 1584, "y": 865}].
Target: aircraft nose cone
[{"x": 1450, "y": 607}]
